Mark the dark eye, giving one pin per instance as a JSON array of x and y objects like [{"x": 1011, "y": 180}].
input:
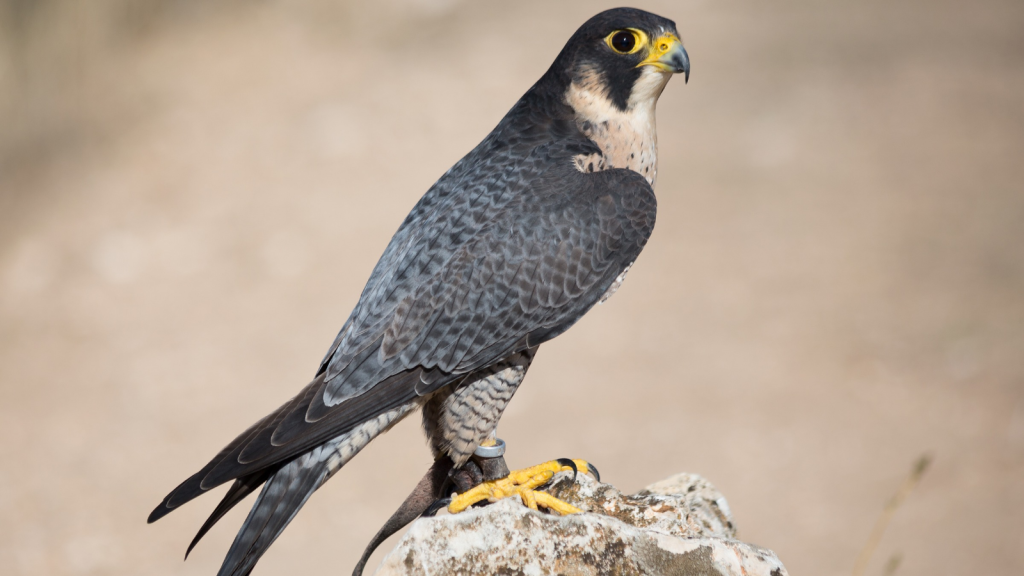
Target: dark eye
[{"x": 623, "y": 41}]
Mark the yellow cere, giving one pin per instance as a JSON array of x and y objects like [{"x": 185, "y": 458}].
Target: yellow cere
[{"x": 661, "y": 46}]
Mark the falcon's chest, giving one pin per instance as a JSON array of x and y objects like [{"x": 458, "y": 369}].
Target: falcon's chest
[{"x": 627, "y": 138}]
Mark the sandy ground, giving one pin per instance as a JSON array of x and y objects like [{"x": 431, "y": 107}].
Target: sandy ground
[{"x": 835, "y": 285}]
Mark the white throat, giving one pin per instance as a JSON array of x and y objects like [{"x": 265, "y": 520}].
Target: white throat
[{"x": 627, "y": 138}]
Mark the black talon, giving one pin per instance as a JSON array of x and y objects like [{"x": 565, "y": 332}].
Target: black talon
[
  {"x": 593, "y": 471},
  {"x": 568, "y": 462},
  {"x": 447, "y": 487},
  {"x": 436, "y": 506}
]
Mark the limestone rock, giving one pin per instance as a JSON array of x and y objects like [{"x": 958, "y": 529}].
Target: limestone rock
[{"x": 679, "y": 526}]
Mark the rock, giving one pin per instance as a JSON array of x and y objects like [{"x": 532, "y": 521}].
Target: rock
[{"x": 679, "y": 526}]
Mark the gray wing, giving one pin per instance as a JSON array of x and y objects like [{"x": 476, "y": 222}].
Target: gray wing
[
  {"x": 473, "y": 281},
  {"x": 466, "y": 287}
]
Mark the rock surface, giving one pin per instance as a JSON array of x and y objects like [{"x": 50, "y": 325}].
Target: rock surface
[{"x": 679, "y": 526}]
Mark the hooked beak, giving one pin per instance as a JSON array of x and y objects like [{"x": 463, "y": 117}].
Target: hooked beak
[{"x": 667, "y": 53}]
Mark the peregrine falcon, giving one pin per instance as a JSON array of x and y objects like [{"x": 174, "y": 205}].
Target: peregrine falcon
[{"x": 507, "y": 250}]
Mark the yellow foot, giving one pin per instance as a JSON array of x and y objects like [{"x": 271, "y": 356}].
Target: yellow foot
[{"x": 524, "y": 483}]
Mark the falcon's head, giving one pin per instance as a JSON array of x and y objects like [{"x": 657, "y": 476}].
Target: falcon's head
[
  {"x": 624, "y": 57},
  {"x": 610, "y": 75}
]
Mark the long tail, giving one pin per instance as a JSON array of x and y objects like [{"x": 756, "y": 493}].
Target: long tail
[
  {"x": 282, "y": 497},
  {"x": 238, "y": 491},
  {"x": 286, "y": 489}
]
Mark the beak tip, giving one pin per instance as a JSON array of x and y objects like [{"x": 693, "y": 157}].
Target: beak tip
[
  {"x": 671, "y": 57},
  {"x": 685, "y": 64}
]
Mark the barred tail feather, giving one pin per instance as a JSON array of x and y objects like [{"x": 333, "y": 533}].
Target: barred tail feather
[
  {"x": 238, "y": 491},
  {"x": 282, "y": 497},
  {"x": 287, "y": 489}
]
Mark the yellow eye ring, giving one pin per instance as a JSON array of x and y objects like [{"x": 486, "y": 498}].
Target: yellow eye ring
[{"x": 626, "y": 41}]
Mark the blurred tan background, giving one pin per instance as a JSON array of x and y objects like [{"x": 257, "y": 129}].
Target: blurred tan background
[{"x": 192, "y": 195}]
